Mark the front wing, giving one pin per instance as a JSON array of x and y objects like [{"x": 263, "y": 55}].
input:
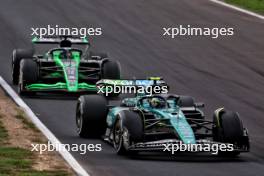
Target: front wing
[
  {"x": 162, "y": 145},
  {"x": 60, "y": 86}
]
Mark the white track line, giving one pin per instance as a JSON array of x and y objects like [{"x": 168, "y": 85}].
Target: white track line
[
  {"x": 238, "y": 9},
  {"x": 64, "y": 153}
]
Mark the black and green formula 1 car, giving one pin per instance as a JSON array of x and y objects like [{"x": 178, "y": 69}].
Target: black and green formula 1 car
[{"x": 68, "y": 67}]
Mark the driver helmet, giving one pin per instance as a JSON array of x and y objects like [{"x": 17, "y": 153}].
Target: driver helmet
[{"x": 156, "y": 103}]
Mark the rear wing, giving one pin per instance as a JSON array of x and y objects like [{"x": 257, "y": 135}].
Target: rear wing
[{"x": 59, "y": 39}]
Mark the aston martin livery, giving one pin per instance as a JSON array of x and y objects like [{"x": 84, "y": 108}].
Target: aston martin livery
[{"x": 150, "y": 122}]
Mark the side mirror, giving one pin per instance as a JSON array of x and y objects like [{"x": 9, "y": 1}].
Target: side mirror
[{"x": 199, "y": 105}]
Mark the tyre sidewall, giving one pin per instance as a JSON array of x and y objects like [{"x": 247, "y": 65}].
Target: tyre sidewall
[
  {"x": 132, "y": 126},
  {"x": 28, "y": 74},
  {"x": 93, "y": 110},
  {"x": 111, "y": 69}
]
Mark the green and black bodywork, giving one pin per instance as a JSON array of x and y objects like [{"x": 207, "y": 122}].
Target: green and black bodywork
[
  {"x": 61, "y": 69},
  {"x": 136, "y": 125}
]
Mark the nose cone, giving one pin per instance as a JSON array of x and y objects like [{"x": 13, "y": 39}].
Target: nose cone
[
  {"x": 71, "y": 75},
  {"x": 183, "y": 128}
]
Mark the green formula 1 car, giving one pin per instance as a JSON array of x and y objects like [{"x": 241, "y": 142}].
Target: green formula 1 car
[
  {"x": 69, "y": 67},
  {"x": 160, "y": 122}
]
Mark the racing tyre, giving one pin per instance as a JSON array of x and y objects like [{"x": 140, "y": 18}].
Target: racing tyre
[
  {"x": 111, "y": 70},
  {"x": 228, "y": 128},
  {"x": 17, "y": 56},
  {"x": 91, "y": 115},
  {"x": 28, "y": 75},
  {"x": 186, "y": 101},
  {"x": 128, "y": 129}
]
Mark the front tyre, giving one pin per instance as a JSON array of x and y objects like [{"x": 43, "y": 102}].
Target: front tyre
[
  {"x": 28, "y": 75},
  {"x": 228, "y": 128},
  {"x": 17, "y": 56},
  {"x": 128, "y": 129},
  {"x": 91, "y": 115}
]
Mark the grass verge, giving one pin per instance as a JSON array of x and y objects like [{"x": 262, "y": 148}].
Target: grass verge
[
  {"x": 253, "y": 5},
  {"x": 17, "y": 133},
  {"x": 18, "y": 161}
]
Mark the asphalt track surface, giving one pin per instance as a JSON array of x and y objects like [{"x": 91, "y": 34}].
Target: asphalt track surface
[{"x": 226, "y": 71}]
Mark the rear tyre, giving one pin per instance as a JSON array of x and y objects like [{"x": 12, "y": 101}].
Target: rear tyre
[
  {"x": 192, "y": 114},
  {"x": 228, "y": 128},
  {"x": 28, "y": 75},
  {"x": 128, "y": 129},
  {"x": 111, "y": 70},
  {"x": 17, "y": 56},
  {"x": 91, "y": 115},
  {"x": 186, "y": 101}
]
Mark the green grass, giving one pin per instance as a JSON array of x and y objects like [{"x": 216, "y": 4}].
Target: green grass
[
  {"x": 18, "y": 162},
  {"x": 253, "y": 5},
  {"x": 13, "y": 159}
]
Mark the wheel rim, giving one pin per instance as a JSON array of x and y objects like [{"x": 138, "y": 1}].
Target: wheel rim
[
  {"x": 20, "y": 87},
  {"x": 121, "y": 136},
  {"x": 20, "y": 84},
  {"x": 79, "y": 119},
  {"x": 13, "y": 65},
  {"x": 117, "y": 133},
  {"x": 13, "y": 72}
]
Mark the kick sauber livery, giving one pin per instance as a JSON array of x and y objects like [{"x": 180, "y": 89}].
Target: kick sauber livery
[{"x": 69, "y": 67}]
